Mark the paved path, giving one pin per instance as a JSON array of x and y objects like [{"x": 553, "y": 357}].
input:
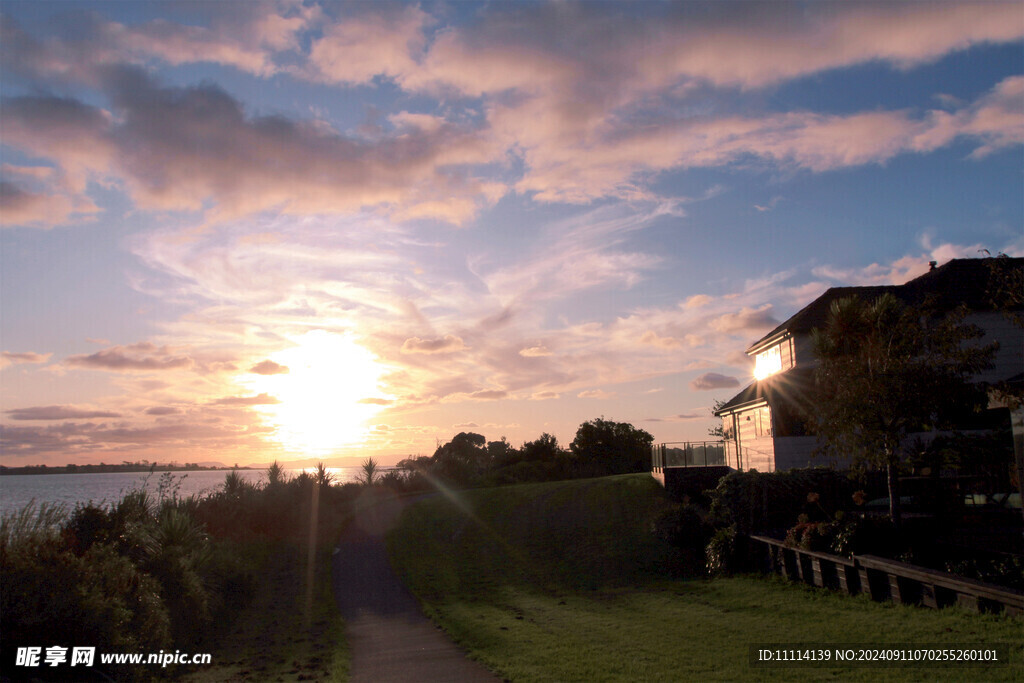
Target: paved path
[{"x": 389, "y": 638}]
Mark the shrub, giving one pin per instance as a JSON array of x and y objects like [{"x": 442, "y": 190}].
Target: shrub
[
  {"x": 87, "y": 525},
  {"x": 50, "y": 595},
  {"x": 684, "y": 526},
  {"x": 723, "y": 552},
  {"x": 755, "y": 501}
]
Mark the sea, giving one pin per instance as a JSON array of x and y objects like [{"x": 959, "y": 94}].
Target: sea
[{"x": 18, "y": 490}]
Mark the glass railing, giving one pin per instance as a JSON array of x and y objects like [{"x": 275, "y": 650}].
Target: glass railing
[{"x": 688, "y": 454}]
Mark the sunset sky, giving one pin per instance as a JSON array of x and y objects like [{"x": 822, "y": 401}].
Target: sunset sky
[{"x": 239, "y": 231}]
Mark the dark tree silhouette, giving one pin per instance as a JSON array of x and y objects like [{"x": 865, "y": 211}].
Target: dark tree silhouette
[
  {"x": 605, "y": 447},
  {"x": 545, "y": 448},
  {"x": 461, "y": 459}
]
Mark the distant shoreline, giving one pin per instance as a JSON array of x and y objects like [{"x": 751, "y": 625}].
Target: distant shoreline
[{"x": 106, "y": 469}]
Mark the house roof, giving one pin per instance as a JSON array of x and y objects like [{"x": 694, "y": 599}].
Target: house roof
[
  {"x": 970, "y": 282},
  {"x": 813, "y": 314}
]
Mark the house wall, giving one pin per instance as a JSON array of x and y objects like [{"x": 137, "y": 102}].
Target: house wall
[
  {"x": 798, "y": 451},
  {"x": 803, "y": 351},
  {"x": 1009, "y": 360},
  {"x": 756, "y": 445}
]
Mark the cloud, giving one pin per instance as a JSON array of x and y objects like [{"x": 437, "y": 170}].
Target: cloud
[
  {"x": 907, "y": 267},
  {"x": 58, "y": 413},
  {"x": 746, "y": 319},
  {"x": 713, "y": 380},
  {"x": 382, "y": 42},
  {"x": 376, "y": 401},
  {"x": 447, "y": 344},
  {"x": 488, "y": 395},
  {"x": 544, "y": 396},
  {"x": 246, "y": 38},
  {"x": 269, "y": 367},
  {"x": 263, "y": 399},
  {"x": 140, "y": 357},
  {"x": 172, "y": 440},
  {"x": 539, "y": 68},
  {"x": 696, "y": 301},
  {"x": 23, "y": 208},
  {"x": 591, "y": 99},
  {"x": 8, "y": 358},
  {"x": 180, "y": 148},
  {"x": 651, "y": 338},
  {"x": 682, "y": 417},
  {"x": 538, "y": 351},
  {"x": 599, "y": 394},
  {"x": 160, "y": 411}
]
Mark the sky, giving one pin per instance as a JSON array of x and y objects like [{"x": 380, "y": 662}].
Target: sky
[{"x": 240, "y": 231}]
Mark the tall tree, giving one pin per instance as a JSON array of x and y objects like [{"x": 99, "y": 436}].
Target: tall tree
[
  {"x": 885, "y": 371},
  {"x": 462, "y": 459},
  {"x": 605, "y": 447}
]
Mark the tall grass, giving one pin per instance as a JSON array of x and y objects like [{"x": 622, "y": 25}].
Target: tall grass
[{"x": 31, "y": 524}]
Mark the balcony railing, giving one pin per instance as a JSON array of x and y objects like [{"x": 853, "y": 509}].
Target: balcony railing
[{"x": 688, "y": 454}]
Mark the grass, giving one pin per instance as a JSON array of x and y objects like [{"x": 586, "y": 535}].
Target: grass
[
  {"x": 274, "y": 639},
  {"x": 564, "y": 582}
]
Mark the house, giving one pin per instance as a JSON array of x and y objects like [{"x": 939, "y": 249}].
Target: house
[{"x": 763, "y": 424}]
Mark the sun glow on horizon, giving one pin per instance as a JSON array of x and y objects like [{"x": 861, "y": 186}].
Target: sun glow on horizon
[{"x": 320, "y": 396}]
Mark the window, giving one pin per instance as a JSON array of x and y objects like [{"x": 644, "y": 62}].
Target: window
[
  {"x": 768, "y": 362},
  {"x": 763, "y": 421}
]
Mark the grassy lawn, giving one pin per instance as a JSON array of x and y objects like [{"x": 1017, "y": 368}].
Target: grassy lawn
[
  {"x": 563, "y": 582},
  {"x": 273, "y": 639}
]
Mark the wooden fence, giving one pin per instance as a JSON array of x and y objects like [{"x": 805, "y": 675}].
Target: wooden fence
[{"x": 883, "y": 579}]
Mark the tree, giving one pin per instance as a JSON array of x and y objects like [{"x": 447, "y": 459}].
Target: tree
[
  {"x": 369, "y": 472},
  {"x": 322, "y": 477},
  {"x": 718, "y": 431},
  {"x": 276, "y": 474},
  {"x": 544, "y": 448},
  {"x": 461, "y": 459},
  {"x": 886, "y": 371},
  {"x": 605, "y": 447},
  {"x": 500, "y": 452}
]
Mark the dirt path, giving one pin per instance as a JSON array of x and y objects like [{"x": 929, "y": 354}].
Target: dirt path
[{"x": 389, "y": 638}]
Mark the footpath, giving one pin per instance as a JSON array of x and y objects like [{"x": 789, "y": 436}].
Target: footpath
[{"x": 390, "y": 640}]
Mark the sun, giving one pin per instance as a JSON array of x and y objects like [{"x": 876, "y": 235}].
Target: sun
[{"x": 322, "y": 397}]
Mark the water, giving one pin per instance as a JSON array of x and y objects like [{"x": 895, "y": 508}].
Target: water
[{"x": 16, "y": 491}]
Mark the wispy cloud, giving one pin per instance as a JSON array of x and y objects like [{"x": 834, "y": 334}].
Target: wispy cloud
[
  {"x": 142, "y": 357},
  {"x": 9, "y": 358},
  {"x": 713, "y": 380},
  {"x": 447, "y": 344},
  {"x": 259, "y": 400},
  {"x": 59, "y": 413}
]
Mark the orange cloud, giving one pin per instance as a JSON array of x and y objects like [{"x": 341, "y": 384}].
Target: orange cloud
[{"x": 269, "y": 367}]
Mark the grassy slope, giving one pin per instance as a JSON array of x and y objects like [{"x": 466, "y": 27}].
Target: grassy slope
[{"x": 563, "y": 582}]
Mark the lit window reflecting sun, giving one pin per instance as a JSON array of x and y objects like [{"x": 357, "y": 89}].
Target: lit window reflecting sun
[
  {"x": 320, "y": 395},
  {"x": 768, "y": 363}
]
